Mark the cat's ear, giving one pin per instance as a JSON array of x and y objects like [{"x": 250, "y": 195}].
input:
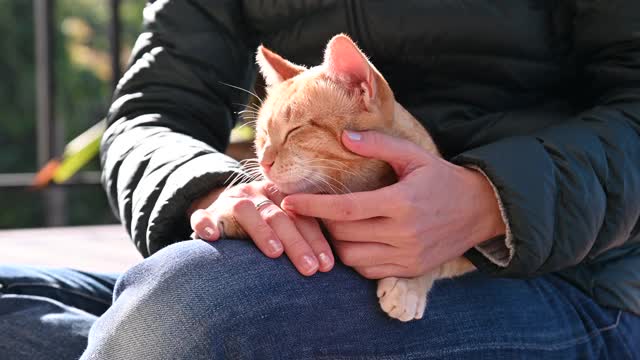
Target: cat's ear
[
  {"x": 345, "y": 63},
  {"x": 275, "y": 68}
]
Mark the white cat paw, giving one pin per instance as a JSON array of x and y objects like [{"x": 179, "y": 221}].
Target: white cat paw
[{"x": 402, "y": 299}]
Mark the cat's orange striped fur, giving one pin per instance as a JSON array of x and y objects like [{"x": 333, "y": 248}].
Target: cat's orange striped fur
[{"x": 298, "y": 142}]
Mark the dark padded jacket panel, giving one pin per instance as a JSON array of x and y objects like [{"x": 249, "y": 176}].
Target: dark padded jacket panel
[{"x": 543, "y": 96}]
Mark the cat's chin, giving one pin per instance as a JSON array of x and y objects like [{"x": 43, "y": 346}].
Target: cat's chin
[{"x": 296, "y": 187}]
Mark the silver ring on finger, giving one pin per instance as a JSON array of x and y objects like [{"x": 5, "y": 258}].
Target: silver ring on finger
[{"x": 263, "y": 203}]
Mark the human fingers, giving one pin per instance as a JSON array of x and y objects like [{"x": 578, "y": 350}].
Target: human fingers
[
  {"x": 384, "y": 270},
  {"x": 265, "y": 238},
  {"x": 297, "y": 249},
  {"x": 310, "y": 230},
  {"x": 364, "y": 254},
  {"x": 376, "y": 230},
  {"x": 401, "y": 154},
  {"x": 353, "y": 206},
  {"x": 204, "y": 226}
]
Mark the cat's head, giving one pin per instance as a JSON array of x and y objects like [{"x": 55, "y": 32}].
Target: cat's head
[{"x": 299, "y": 125}]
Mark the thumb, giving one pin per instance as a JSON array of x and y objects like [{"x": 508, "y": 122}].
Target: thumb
[{"x": 403, "y": 155}]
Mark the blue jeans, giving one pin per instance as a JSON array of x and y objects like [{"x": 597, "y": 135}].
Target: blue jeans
[
  {"x": 195, "y": 300},
  {"x": 47, "y": 313}
]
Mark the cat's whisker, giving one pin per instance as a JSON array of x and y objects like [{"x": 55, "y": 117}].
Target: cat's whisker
[
  {"x": 251, "y": 162},
  {"x": 344, "y": 190},
  {"x": 313, "y": 180},
  {"x": 319, "y": 177},
  {"x": 254, "y": 172},
  {"x": 248, "y": 122},
  {"x": 335, "y": 168},
  {"x": 332, "y": 162},
  {"x": 274, "y": 190},
  {"x": 340, "y": 165},
  {"x": 315, "y": 186},
  {"x": 256, "y": 175},
  {"x": 248, "y": 117},
  {"x": 234, "y": 180},
  {"x": 231, "y": 179},
  {"x": 245, "y": 90},
  {"x": 250, "y": 168},
  {"x": 248, "y": 161},
  {"x": 247, "y": 108},
  {"x": 254, "y": 107},
  {"x": 338, "y": 170},
  {"x": 248, "y": 114}
]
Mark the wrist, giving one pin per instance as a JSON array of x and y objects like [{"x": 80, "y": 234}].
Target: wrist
[
  {"x": 488, "y": 220},
  {"x": 205, "y": 201}
]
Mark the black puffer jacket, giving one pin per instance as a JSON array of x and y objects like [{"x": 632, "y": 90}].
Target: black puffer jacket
[{"x": 543, "y": 96}]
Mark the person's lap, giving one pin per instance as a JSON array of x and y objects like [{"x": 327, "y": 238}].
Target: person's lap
[
  {"x": 46, "y": 313},
  {"x": 225, "y": 300}
]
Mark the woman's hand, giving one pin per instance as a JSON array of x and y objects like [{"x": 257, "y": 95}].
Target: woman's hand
[
  {"x": 434, "y": 213},
  {"x": 252, "y": 210}
]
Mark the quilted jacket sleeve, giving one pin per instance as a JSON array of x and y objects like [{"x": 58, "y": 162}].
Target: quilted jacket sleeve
[
  {"x": 572, "y": 191},
  {"x": 172, "y": 115}
]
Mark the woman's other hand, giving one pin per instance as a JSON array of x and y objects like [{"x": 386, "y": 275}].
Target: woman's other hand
[
  {"x": 434, "y": 213},
  {"x": 252, "y": 210}
]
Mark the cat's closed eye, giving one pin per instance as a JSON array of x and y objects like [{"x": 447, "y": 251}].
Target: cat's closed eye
[{"x": 291, "y": 131}]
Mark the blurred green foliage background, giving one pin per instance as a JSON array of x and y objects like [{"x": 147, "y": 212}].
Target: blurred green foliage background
[{"x": 83, "y": 92}]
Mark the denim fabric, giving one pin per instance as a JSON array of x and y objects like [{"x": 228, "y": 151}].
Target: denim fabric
[
  {"x": 47, "y": 313},
  {"x": 195, "y": 300}
]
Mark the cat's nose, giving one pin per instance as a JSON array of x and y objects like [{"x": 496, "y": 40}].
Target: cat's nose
[
  {"x": 267, "y": 157},
  {"x": 266, "y": 165}
]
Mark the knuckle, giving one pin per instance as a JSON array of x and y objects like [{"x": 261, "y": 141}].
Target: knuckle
[
  {"x": 241, "y": 205},
  {"x": 345, "y": 209},
  {"x": 270, "y": 188},
  {"x": 347, "y": 256},
  {"x": 405, "y": 198},
  {"x": 321, "y": 244},
  {"x": 330, "y": 226},
  {"x": 316, "y": 239},
  {"x": 295, "y": 244},
  {"x": 239, "y": 190},
  {"x": 197, "y": 218},
  {"x": 263, "y": 229},
  {"x": 412, "y": 264},
  {"x": 375, "y": 139},
  {"x": 368, "y": 272},
  {"x": 272, "y": 214},
  {"x": 199, "y": 226},
  {"x": 412, "y": 230}
]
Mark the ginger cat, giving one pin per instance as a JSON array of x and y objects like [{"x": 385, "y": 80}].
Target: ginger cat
[{"x": 298, "y": 131}]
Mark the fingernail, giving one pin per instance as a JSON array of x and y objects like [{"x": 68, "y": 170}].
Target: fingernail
[
  {"x": 355, "y": 136},
  {"x": 310, "y": 263},
  {"x": 208, "y": 231},
  {"x": 275, "y": 246},
  {"x": 324, "y": 259},
  {"x": 286, "y": 205}
]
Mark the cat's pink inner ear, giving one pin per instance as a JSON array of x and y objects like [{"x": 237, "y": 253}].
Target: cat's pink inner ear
[
  {"x": 344, "y": 62},
  {"x": 274, "y": 67}
]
